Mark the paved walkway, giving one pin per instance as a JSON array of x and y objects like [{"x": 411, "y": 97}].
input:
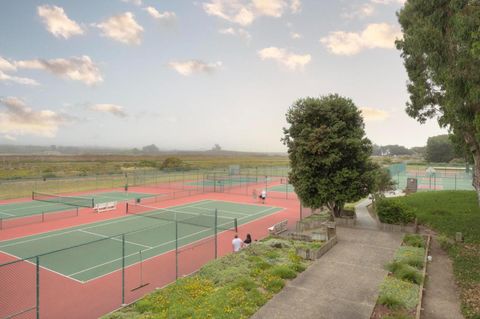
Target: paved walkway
[
  {"x": 441, "y": 295},
  {"x": 364, "y": 219},
  {"x": 343, "y": 284}
]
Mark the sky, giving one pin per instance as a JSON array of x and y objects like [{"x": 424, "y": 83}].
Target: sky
[{"x": 186, "y": 74}]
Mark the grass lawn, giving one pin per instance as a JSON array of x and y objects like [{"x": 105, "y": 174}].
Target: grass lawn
[
  {"x": 234, "y": 286},
  {"x": 449, "y": 212}
]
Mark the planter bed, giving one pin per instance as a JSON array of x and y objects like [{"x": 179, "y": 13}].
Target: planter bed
[{"x": 400, "y": 294}]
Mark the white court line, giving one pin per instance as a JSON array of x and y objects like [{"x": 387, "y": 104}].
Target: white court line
[
  {"x": 7, "y": 214},
  {"x": 100, "y": 224},
  {"x": 45, "y": 268},
  {"x": 113, "y": 238},
  {"x": 222, "y": 210},
  {"x": 160, "y": 245}
]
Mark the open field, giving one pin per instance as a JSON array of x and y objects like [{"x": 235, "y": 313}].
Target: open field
[{"x": 34, "y": 166}]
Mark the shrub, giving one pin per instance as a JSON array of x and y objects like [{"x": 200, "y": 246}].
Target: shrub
[
  {"x": 297, "y": 267},
  {"x": 389, "y": 301},
  {"x": 409, "y": 273},
  {"x": 412, "y": 256},
  {"x": 396, "y": 293},
  {"x": 272, "y": 283},
  {"x": 391, "y": 211},
  {"x": 414, "y": 240}
]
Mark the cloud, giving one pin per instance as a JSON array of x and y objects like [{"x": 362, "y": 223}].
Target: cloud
[
  {"x": 295, "y": 35},
  {"x": 15, "y": 79},
  {"x": 190, "y": 67},
  {"x": 75, "y": 68},
  {"x": 242, "y": 33},
  {"x": 113, "y": 109},
  {"x": 375, "y": 35},
  {"x": 371, "y": 114},
  {"x": 368, "y": 9},
  {"x": 163, "y": 16},
  {"x": 9, "y": 137},
  {"x": 135, "y": 2},
  {"x": 244, "y": 12},
  {"x": 282, "y": 56},
  {"x": 19, "y": 119},
  {"x": 5, "y": 65},
  {"x": 57, "y": 22},
  {"x": 122, "y": 28}
]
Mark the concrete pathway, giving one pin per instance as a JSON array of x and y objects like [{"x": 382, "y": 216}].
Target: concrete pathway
[
  {"x": 343, "y": 284},
  {"x": 441, "y": 295},
  {"x": 364, "y": 219}
]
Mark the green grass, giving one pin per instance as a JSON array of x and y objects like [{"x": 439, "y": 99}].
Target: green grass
[
  {"x": 234, "y": 286},
  {"x": 449, "y": 212}
]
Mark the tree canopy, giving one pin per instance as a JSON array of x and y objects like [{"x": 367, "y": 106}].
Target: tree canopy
[
  {"x": 441, "y": 52},
  {"x": 439, "y": 149},
  {"x": 329, "y": 153}
]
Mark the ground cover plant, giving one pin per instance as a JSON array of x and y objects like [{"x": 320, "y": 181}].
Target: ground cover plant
[
  {"x": 234, "y": 286},
  {"x": 399, "y": 292},
  {"x": 448, "y": 212}
]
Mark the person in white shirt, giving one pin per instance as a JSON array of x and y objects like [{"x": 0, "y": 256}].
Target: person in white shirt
[
  {"x": 263, "y": 196},
  {"x": 237, "y": 244}
]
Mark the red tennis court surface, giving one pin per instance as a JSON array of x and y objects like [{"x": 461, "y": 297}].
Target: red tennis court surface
[{"x": 61, "y": 297}]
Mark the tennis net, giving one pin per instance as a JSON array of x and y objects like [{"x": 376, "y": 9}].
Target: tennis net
[
  {"x": 67, "y": 200},
  {"x": 189, "y": 218}
]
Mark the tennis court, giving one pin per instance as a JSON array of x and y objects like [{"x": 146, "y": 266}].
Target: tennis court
[
  {"x": 285, "y": 188},
  {"x": 146, "y": 233},
  {"x": 49, "y": 203}
]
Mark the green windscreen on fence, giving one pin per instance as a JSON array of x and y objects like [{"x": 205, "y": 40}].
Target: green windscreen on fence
[{"x": 397, "y": 168}]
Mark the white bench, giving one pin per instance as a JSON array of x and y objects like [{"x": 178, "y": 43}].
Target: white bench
[
  {"x": 278, "y": 227},
  {"x": 103, "y": 207}
]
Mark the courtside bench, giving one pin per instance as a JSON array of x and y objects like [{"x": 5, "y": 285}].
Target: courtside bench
[
  {"x": 278, "y": 227},
  {"x": 103, "y": 207}
]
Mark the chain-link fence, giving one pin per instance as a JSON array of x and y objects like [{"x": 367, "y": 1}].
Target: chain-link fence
[{"x": 87, "y": 272}]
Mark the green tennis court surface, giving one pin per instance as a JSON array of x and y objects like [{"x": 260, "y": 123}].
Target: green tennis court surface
[
  {"x": 154, "y": 237},
  {"x": 285, "y": 188},
  {"x": 39, "y": 207}
]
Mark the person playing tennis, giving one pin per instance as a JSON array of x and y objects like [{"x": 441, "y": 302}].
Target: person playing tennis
[{"x": 263, "y": 196}]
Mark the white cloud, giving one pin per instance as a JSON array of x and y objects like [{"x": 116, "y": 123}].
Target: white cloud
[
  {"x": 57, "y": 22},
  {"x": 190, "y": 67},
  {"x": 375, "y": 35},
  {"x": 295, "y": 35},
  {"x": 244, "y": 12},
  {"x": 122, "y": 28},
  {"x": 135, "y": 2},
  {"x": 75, "y": 68},
  {"x": 242, "y": 33},
  {"x": 282, "y": 56},
  {"x": 6, "y": 65},
  {"x": 272, "y": 8},
  {"x": 362, "y": 11},
  {"x": 9, "y": 137},
  {"x": 19, "y": 119},
  {"x": 372, "y": 114},
  {"x": 295, "y": 6},
  {"x": 113, "y": 109},
  {"x": 15, "y": 79},
  {"x": 164, "y": 16}
]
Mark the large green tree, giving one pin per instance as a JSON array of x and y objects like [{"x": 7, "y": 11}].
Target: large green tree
[
  {"x": 329, "y": 153},
  {"x": 441, "y": 52},
  {"x": 439, "y": 149}
]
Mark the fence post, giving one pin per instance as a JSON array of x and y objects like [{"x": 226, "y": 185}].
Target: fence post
[
  {"x": 37, "y": 284},
  {"x": 123, "y": 270},
  {"x": 176, "y": 250},
  {"x": 216, "y": 239}
]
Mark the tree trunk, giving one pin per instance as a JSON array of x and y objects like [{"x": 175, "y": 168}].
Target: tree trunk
[
  {"x": 476, "y": 174},
  {"x": 475, "y": 149}
]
